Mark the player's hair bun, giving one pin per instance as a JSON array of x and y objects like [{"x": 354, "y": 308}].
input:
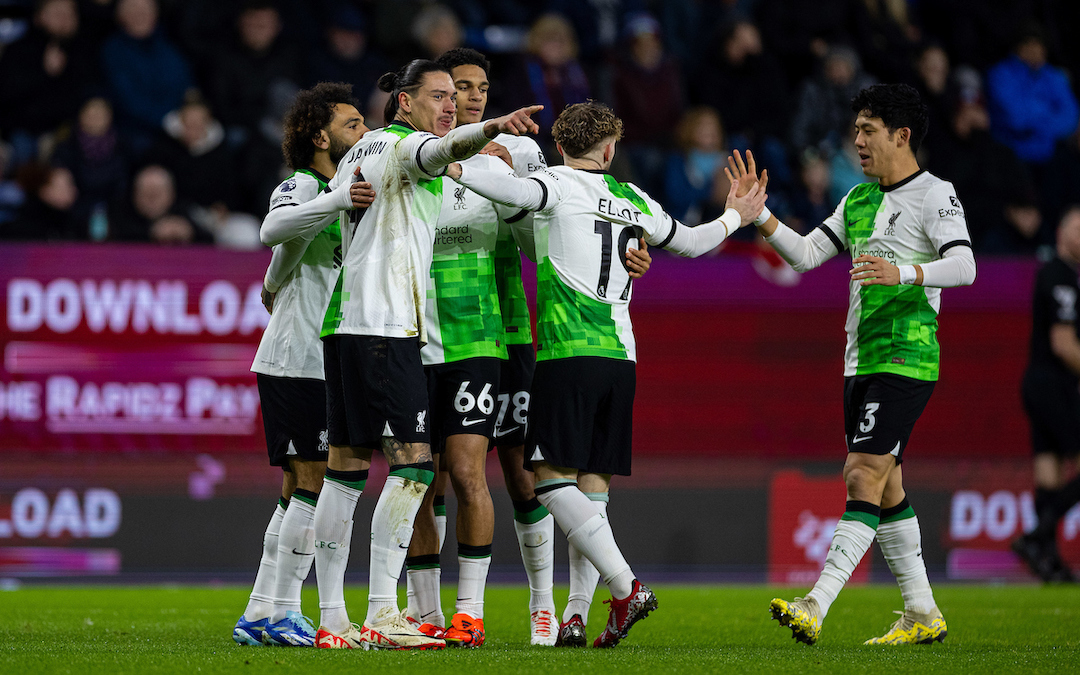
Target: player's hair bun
[{"x": 388, "y": 82}]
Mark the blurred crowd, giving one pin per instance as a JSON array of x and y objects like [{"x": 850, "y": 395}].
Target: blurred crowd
[{"x": 160, "y": 120}]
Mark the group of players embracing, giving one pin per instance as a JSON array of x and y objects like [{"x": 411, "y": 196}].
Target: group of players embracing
[{"x": 399, "y": 322}]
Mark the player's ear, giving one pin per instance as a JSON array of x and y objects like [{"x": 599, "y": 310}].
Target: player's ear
[
  {"x": 559, "y": 148},
  {"x": 321, "y": 140},
  {"x": 903, "y": 136},
  {"x": 404, "y": 102}
]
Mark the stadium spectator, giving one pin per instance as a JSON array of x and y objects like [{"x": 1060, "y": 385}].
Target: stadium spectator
[
  {"x": 42, "y": 72},
  {"x": 194, "y": 152},
  {"x": 649, "y": 100},
  {"x": 596, "y": 24},
  {"x": 153, "y": 212},
  {"x": 999, "y": 196},
  {"x": 844, "y": 169},
  {"x": 11, "y": 193},
  {"x": 47, "y": 213},
  {"x": 694, "y": 181},
  {"x": 689, "y": 26},
  {"x": 1032, "y": 106},
  {"x": 147, "y": 76},
  {"x": 800, "y": 32},
  {"x": 550, "y": 74},
  {"x": 97, "y": 158},
  {"x": 760, "y": 120},
  {"x": 437, "y": 30},
  {"x": 345, "y": 56},
  {"x": 886, "y": 38},
  {"x": 253, "y": 73},
  {"x": 822, "y": 114},
  {"x": 978, "y": 34},
  {"x": 810, "y": 203},
  {"x": 1061, "y": 182},
  {"x": 933, "y": 81}
]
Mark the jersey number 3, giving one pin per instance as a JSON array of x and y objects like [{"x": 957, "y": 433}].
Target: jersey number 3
[{"x": 603, "y": 228}]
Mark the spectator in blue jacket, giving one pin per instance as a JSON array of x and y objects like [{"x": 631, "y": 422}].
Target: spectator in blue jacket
[
  {"x": 146, "y": 74},
  {"x": 1031, "y": 104}
]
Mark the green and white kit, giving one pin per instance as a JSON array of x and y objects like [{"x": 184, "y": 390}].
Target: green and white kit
[
  {"x": 300, "y": 274},
  {"x": 892, "y": 329}
]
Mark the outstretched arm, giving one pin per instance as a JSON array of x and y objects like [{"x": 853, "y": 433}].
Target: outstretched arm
[
  {"x": 524, "y": 193},
  {"x": 695, "y": 241},
  {"x": 465, "y": 141}
]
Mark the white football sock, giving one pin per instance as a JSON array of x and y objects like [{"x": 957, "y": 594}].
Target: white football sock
[
  {"x": 333, "y": 536},
  {"x": 588, "y": 530},
  {"x": 424, "y": 603},
  {"x": 261, "y": 601},
  {"x": 472, "y": 578},
  {"x": 296, "y": 552},
  {"x": 583, "y": 580},
  {"x": 536, "y": 541},
  {"x": 901, "y": 544},
  {"x": 440, "y": 529},
  {"x": 391, "y": 532},
  {"x": 850, "y": 542}
]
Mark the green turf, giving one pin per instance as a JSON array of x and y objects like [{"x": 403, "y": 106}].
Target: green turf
[{"x": 998, "y": 629}]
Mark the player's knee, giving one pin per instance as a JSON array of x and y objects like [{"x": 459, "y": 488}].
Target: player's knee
[{"x": 864, "y": 483}]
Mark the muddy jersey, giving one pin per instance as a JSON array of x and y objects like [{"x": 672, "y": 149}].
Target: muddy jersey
[
  {"x": 462, "y": 314},
  {"x": 582, "y": 232},
  {"x": 290, "y": 344},
  {"x": 893, "y": 329},
  {"x": 382, "y": 284}
]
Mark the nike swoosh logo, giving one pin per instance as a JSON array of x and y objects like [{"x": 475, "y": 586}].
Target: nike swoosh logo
[
  {"x": 404, "y": 546},
  {"x": 295, "y": 552},
  {"x": 503, "y": 432},
  {"x": 537, "y": 546},
  {"x": 469, "y": 423},
  {"x": 860, "y": 440}
]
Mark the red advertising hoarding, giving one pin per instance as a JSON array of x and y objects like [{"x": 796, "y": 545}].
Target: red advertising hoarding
[{"x": 129, "y": 348}]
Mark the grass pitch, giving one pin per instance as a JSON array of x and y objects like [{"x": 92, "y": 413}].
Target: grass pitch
[{"x": 115, "y": 630}]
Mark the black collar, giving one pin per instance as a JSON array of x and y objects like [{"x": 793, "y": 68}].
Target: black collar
[
  {"x": 902, "y": 183},
  {"x": 318, "y": 175}
]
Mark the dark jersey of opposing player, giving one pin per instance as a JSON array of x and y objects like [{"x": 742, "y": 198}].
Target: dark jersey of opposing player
[{"x": 1057, "y": 300}]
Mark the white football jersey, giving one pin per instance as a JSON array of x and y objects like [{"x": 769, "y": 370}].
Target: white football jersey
[
  {"x": 290, "y": 345},
  {"x": 582, "y": 233},
  {"x": 462, "y": 312},
  {"x": 524, "y": 152},
  {"x": 387, "y": 256}
]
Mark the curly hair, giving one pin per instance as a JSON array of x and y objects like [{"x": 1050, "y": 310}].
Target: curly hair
[
  {"x": 582, "y": 125},
  {"x": 312, "y": 111}
]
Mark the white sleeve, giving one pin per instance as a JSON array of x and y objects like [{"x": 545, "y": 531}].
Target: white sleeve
[
  {"x": 520, "y": 222},
  {"x": 692, "y": 242},
  {"x": 527, "y": 155},
  {"x": 803, "y": 252},
  {"x": 430, "y": 154},
  {"x": 943, "y": 219},
  {"x": 531, "y": 194},
  {"x": 286, "y": 257},
  {"x": 955, "y": 268},
  {"x": 290, "y": 219}
]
